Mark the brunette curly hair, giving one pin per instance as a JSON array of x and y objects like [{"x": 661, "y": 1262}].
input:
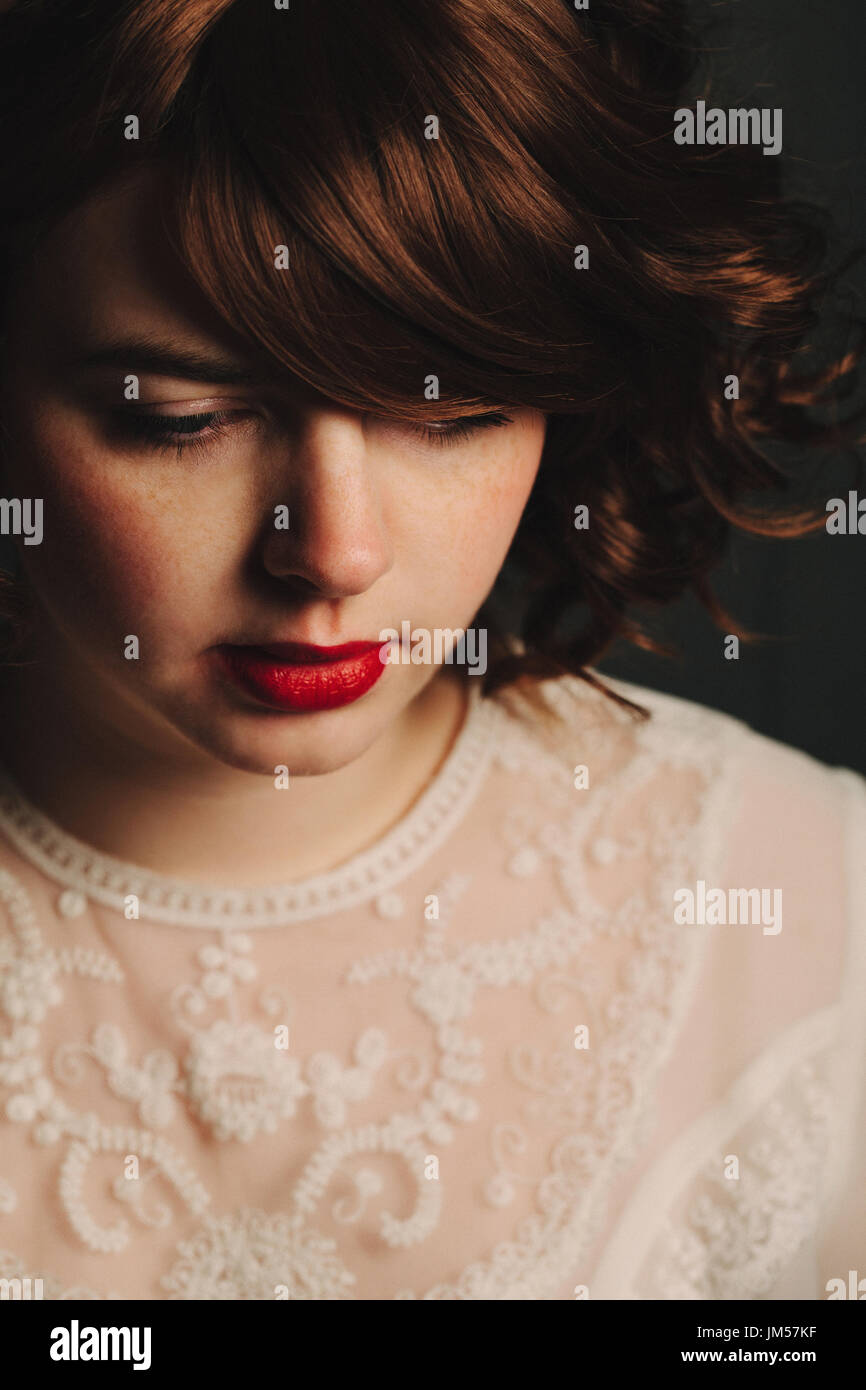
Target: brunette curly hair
[{"x": 432, "y": 169}]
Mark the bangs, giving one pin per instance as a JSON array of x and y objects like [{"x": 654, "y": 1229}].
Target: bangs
[{"x": 406, "y": 257}]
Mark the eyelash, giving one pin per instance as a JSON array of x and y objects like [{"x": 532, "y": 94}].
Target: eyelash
[
  {"x": 456, "y": 431},
  {"x": 162, "y": 431}
]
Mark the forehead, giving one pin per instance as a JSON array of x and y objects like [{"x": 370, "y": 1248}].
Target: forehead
[{"x": 107, "y": 266}]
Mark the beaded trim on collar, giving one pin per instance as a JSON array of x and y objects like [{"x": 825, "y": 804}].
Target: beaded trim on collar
[{"x": 181, "y": 902}]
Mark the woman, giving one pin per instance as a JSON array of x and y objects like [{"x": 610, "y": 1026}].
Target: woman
[{"x": 357, "y": 943}]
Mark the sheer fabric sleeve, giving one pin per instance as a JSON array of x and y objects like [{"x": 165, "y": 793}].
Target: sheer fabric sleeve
[
  {"x": 842, "y": 1237},
  {"x": 754, "y": 1185}
]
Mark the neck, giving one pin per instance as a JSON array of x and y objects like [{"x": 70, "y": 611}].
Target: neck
[{"x": 223, "y": 826}]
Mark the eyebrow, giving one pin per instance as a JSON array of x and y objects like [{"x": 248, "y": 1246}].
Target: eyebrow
[{"x": 141, "y": 355}]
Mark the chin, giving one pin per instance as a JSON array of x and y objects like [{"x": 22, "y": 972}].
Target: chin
[{"x": 308, "y": 745}]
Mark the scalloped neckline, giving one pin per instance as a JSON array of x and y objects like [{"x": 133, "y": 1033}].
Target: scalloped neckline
[{"x": 183, "y": 902}]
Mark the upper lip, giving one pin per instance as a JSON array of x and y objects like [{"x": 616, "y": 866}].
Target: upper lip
[{"x": 305, "y": 653}]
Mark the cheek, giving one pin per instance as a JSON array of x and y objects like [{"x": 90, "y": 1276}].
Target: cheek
[
  {"x": 119, "y": 554},
  {"x": 461, "y": 523}
]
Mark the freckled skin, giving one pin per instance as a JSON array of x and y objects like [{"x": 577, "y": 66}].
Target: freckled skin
[{"x": 182, "y": 551}]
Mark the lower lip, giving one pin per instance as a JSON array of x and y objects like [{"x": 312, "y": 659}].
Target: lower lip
[{"x": 314, "y": 685}]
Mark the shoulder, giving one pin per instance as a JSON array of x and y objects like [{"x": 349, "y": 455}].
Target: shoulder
[
  {"x": 719, "y": 806},
  {"x": 771, "y": 777}
]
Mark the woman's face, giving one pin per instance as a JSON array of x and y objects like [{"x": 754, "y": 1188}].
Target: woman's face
[{"x": 179, "y": 548}]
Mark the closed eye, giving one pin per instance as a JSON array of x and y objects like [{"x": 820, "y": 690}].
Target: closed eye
[
  {"x": 454, "y": 431},
  {"x": 177, "y": 432}
]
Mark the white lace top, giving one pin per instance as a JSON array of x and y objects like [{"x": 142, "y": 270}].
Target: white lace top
[{"x": 485, "y": 1059}]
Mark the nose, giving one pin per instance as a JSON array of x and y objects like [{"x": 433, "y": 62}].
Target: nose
[{"x": 336, "y": 542}]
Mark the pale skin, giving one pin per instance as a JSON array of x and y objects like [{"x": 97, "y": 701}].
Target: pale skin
[{"x": 153, "y": 760}]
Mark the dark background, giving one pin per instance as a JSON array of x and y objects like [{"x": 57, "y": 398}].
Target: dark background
[{"x": 805, "y": 686}]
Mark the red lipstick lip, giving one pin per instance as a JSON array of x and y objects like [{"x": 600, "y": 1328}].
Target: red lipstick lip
[{"x": 299, "y": 677}]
